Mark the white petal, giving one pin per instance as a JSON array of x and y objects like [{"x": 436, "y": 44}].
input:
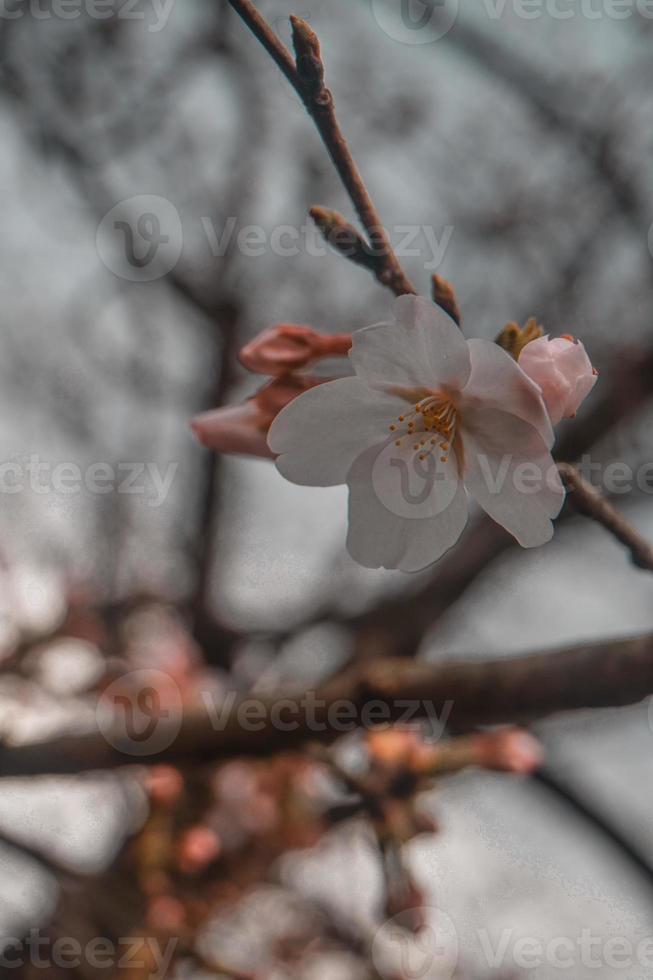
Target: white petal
[
  {"x": 498, "y": 381},
  {"x": 509, "y": 471},
  {"x": 386, "y": 538},
  {"x": 320, "y": 433},
  {"x": 424, "y": 347}
]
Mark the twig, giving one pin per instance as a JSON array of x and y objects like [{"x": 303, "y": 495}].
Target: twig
[
  {"x": 546, "y": 778},
  {"x": 346, "y": 240},
  {"x": 306, "y": 75},
  {"x": 464, "y": 694},
  {"x": 589, "y": 501}
]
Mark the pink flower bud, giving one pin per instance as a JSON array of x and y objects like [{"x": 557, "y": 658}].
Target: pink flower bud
[
  {"x": 508, "y": 750},
  {"x": 562, "y": 370},
  {"x": 285, "y": 348},
  {"x": 164, "y": 785},
  {"x": 199, "y": 846},
  {"x": 234, "y": 429},
  {"x": 243, "y": 428}
]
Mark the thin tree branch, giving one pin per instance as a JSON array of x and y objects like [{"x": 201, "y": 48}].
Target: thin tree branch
[
  {"x": 306, "y": 75},
  {"x": 589, "y": 501},
  {"x": 546, "y": 778},
  {"x": 348, "y": 242}
]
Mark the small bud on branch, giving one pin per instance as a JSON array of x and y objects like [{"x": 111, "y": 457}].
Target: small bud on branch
[
  {"x": 445, "y": 297},
  {"x": 310, "y": 67},
  {"x": 346, "y": 240}
]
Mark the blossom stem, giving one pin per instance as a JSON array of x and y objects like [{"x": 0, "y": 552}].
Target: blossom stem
[
  {"x": 306, "y": 75},
  {"x": 588, "y": 501}
]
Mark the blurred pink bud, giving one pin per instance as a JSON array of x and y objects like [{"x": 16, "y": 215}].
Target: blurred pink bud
[
  {"x": 164, "y": 785},
  {"x": 243, "y": 428},
  {"x": 284, "y": 348},
  {"x": 234, "y": 429},
  {"x": 198, "y": 848},
  {"x": 165, "y": 912},
  {"x": 508, "y": 750},
  {"x": 563, "y": 372}
]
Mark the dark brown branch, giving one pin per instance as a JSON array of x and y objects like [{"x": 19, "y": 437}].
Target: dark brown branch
[
  {"x": 589, "y": 501},
  {"x": 464, "y": 694},
  {"x": 306, "y": 75}
]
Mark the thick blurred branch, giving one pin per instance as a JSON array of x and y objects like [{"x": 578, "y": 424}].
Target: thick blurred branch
[{"x": 462, "y": 695}]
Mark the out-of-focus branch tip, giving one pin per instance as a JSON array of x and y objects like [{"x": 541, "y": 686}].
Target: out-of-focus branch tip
[{"x": 445, "y": 297}]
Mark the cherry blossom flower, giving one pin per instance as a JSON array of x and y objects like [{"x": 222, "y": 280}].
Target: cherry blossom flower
[
  {"x": 285, "y": 348},
  {"x": 243, "y": 428},
  {"x": 563, "y": 372},
  {"x": 428, "y": 417}
]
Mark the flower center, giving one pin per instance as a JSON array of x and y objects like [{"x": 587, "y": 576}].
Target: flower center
[{"x": 432, "y": 422}]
